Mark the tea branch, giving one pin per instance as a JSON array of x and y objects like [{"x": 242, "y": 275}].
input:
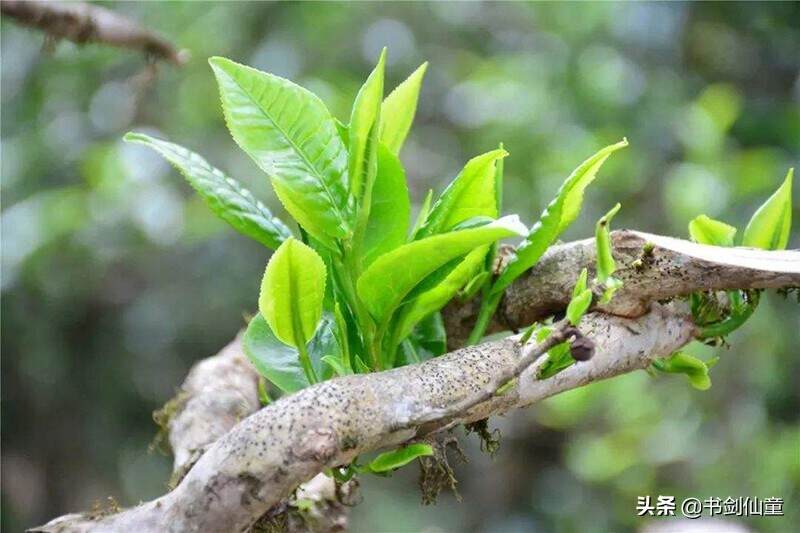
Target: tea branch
[{"x": 256, "y": 465}]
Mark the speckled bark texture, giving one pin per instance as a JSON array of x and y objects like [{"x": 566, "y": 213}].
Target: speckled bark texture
[
  {"x": 262, "y": 459},
  {"x": 219, "y": 392},
  {"x": 652, "y": 267}
]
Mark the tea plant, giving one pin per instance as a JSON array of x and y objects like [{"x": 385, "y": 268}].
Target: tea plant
[{"x": 355, "y": 287}]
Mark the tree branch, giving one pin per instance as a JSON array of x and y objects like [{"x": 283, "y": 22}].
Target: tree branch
[
  {"x": 219, "y": 392},
  {"x": 651, "y": 267},
  {"x": 259, "y": 462},
  {"x": 82, "y": 23}
]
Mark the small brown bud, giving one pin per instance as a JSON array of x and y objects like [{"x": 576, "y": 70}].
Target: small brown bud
[{"x": 582, "y": 349}]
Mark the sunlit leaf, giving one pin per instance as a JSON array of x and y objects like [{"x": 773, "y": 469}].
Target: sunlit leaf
[
  {"x": 444, "y": 290},
  {"x": 605, "y": 258},
  {"x": 770, "y": 225},
  {"x": 578, "y": 305},
  {"x": 226, "y": 197},
  {"x": 291, "y": 136},
  {"x": 559, "y": 214},
  {"x": 292, "y": 292},
  {"x": 422, "y": 215},
  {"x": 582, "y": 283},
  {"x": 387, "y": 226},
  {"x": 397, "y": 113},
  {"x": 471, "y": 194},
  {"x": 706, "y": 230},
  {"x": 393, "y": 275},
  {"x": 361, "y": 131}
]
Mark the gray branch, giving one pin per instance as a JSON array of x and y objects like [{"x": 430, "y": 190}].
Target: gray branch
[
  {"x": 265, "y": 457},
  {"x": 82, "y": 23}
]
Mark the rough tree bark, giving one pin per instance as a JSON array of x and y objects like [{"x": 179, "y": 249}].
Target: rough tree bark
[{"x": 259, "y": 462}]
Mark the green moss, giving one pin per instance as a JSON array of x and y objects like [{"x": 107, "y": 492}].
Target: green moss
[
  {"x": 162, "y": 417},
  {"x": 490, "y": 439}
]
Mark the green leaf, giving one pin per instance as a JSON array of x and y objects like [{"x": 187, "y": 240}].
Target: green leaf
[
  {"x": 428, "y": 339},
  {"x": 706, "y": 230},
  {"x": 605, "y": 258},
  {"x": 435, "y": 298},
  {"x": 397, "y": 112},
  {"x": 392, "y": 276},
  {"x": 387, "y": 226},
  {"x": 337, "y": 364},
  {"x": 474, "y": 285},
  {"x": 498, "y": 182},
  {"x": 471, "y": 194},
  {"x": 361, "y": 367},
  {"x": 291, "y": 136},
  {"x": 226, "y": 197},
  {"x": 292, "y": 292},
  {"x": 582, "y": 283},
  {"x": 363, "y": 119},
  {"x": 559, "y": 214},
  {"x": 558, "y": 359},
  {"x": 279, "y": 363},
  {"x": 400, "y": 457},
  {"x": 578, "y": 306},
  {"x": 693, "y": 368},
  {"x": 769, "y": 227},
  {"x": 341, "y": 333},
  {"x": 422, "y": 216}
]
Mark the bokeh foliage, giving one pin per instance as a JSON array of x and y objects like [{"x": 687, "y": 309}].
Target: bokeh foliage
[{"x": 115, "y": 277}]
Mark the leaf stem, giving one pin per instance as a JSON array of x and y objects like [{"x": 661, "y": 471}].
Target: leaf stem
[
  {"x": 305, "y": 362},
  {"x": 489, "y": 305},
  {"x": 365, "y": 324}
]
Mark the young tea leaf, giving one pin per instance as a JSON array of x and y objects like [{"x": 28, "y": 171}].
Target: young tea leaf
[
  {"x": 397, "y": 112},
  {"x": 279, "y": 363},
  {"x": 436, "y": 297},
  {"x": 471, "y": 194},
  {"x": 706, "y": 230},
  {"x": 422, "y": 216},
  {"x": 292, "y": 292},
  {"x": 578, "y": 306},
  {"x": 582, "y": 283},
  {"x": 559, "y": 214},
  {"x": 392, "y": 276},
  {"x": 769, "y": 227},
  {"x": 400, "y": 457},
  {"x": 695, "y": 370},
  {"x": 226, "y": 197},
  {"x": 387, "y": 226},
  {"x": 362, "y": 132},
  {"x": 291, "y": 136},
  {"x": 602, "y": 235}
]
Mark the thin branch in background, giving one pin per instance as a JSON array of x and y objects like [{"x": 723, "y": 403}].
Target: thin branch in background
[{"x": 83, "y": 23}]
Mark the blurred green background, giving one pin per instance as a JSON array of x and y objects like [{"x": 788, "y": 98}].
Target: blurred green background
[{"x": 116, "y": 278}]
